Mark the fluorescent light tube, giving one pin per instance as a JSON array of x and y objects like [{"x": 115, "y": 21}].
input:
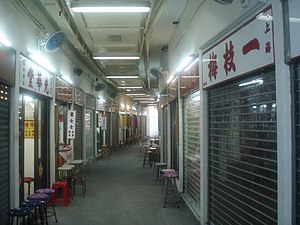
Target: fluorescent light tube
[
  {"x": 184, "y": 63},
  {"x": 115, "y": 57},
  {"x": 106, "y": 7},
  {"x": 67, "y": 79},
  {"x": 4, "y": 41},
  {"x": 135, "y": 94},
  {"x": 191, "y": 64},
  {"x": 122, "y": 77},
  {"x": 40, "y": 60},
  {"x": 130, "y": 87}
]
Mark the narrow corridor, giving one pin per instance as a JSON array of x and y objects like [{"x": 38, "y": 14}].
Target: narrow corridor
[{"x": 121, "y": 192}]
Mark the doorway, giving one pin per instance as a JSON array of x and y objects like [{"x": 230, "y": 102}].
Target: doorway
[{"x": 34, "y": 143}]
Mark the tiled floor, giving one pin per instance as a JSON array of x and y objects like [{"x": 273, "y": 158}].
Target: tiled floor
[{"x": 121, "y": 192}]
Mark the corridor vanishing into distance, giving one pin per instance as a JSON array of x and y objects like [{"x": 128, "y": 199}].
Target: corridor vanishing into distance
[{"x": 121, "y": 192}]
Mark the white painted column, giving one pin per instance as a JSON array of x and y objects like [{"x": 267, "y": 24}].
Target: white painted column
[{"x": 284, "y": 121}]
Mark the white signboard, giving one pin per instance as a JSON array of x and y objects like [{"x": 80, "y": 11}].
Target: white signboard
[
  {"x": 294, "y": 15},
  {"x": 35, "y": 78},
  {"x": 247, "y": 49},
  {"x": 71, "y": 124}
]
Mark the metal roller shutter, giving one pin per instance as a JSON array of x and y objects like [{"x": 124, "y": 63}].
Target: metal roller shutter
[
  {"x": 4, "y": 152},
  {"x": 191, "y": 150},
  {"x": 78, "y": 133},
  {"x": 115, "y": 129},
  {"x": 89, "y": 135},
  {"x": 297, "y": 145},
  {"x": 243, "y": 152}
]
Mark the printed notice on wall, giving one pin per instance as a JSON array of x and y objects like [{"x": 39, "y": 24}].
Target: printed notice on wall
[
  {"x": 71, "y": 124},
  {"x": 247, "y": 49}
]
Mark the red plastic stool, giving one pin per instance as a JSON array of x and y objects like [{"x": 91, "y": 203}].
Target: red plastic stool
[
  {"x": 28, "y": 180},
  {"x": 61, "y": 186}
]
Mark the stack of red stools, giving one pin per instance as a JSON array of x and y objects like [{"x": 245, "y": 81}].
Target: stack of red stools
[{"x": 61, "y": 193}]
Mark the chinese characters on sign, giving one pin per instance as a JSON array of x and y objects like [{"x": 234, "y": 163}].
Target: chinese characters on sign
[
  {"x": 71, "y": 124},
  {"x": 29, "y": 129},
  {"x": 35, "y": 78},
  {"x": 247, "y": 49}
]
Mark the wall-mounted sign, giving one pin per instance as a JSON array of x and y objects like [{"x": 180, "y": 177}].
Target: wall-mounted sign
[
  {"x": 71, "y": 124},
  {"x": 247, "y": 49},
  {"x": 29, "y": 129},
  {"x": 87, "y": 120},
  {"x": 63, "y": 90},
  {"x": 35, "y": 78},
  {"x": 79, "y": 97}
]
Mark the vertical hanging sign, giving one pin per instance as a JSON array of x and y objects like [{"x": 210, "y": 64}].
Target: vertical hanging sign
[
  {"x": 71, "y": 124},
  {"x": 247, "y": 49}
]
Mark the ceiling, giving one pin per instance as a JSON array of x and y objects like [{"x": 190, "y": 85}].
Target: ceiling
[{"x": 144, "y": 34}]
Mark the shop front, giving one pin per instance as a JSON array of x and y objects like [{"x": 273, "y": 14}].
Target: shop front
[
  {"x": 36, "y": 87},
  {"x": 239, "y": 77}
]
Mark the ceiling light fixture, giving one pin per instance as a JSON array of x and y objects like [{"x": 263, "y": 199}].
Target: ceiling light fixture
[
  {"x": 129, "y": 87},
  {"x": 187, "y": 62},
  {"x": 110, "y": 6},
  {"x": 115, "y": 57},
  {"x": 122, "y": 77},
  {"x": 135, "y": 94}
]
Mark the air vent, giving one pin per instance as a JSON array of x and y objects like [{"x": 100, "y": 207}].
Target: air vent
[{"x": 114, "y": 38}]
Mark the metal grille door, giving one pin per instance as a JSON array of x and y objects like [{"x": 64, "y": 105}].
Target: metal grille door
[
  {"x": 4, "y": 152},
  {"x": 297, "y": 145},
  {"x": 243, "y": 152},
  {"x": 78, "y": 133},
  {"x": 191, "y": 149},
  {"x": 89, "y": 133}
]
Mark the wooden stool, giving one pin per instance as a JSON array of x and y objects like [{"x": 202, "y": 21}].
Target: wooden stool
[
  {"x": 61, "y": 186},
  {"x": 104, "y": 151}
]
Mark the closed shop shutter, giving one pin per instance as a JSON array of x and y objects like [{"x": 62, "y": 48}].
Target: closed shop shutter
[
  {"x": 78, "y": 133},
  {"x": 115, "y": 129},
  {"x": 89, "y": 134},
  {"x": 243, "y": 151},
  {"x": 107, "y": 132},
  {"x": 297, "y": 144},
  {"x": 4, "y": 152},
  {"x": 191, "y": 150}
]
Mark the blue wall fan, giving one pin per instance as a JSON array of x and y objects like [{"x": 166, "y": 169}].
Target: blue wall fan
[{"x": 54, "y": 41}]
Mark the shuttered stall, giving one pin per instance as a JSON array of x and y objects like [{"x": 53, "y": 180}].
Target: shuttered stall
[
  {"x": 243, "y": 151},
  {"x": 297, "y": 145},
  {"x": 107, "y": 132},
  {"x": 191, "y": 150},
  {"x": 143, "y": 126},
  {"x": 78, "y": 133},
  {"x": 90, "y": 126},
  {"x": 89, "y": 133},
  {"x": 115, "y": 128},
  {"x": 4, "y": 152}
]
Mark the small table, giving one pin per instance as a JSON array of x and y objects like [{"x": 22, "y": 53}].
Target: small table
[
  {"x": 77, "y": 163},
  {"x": 63, "y": 171}
]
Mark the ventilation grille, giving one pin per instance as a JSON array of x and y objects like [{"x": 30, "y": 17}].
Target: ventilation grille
[{"x": 114, "y": 38}]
